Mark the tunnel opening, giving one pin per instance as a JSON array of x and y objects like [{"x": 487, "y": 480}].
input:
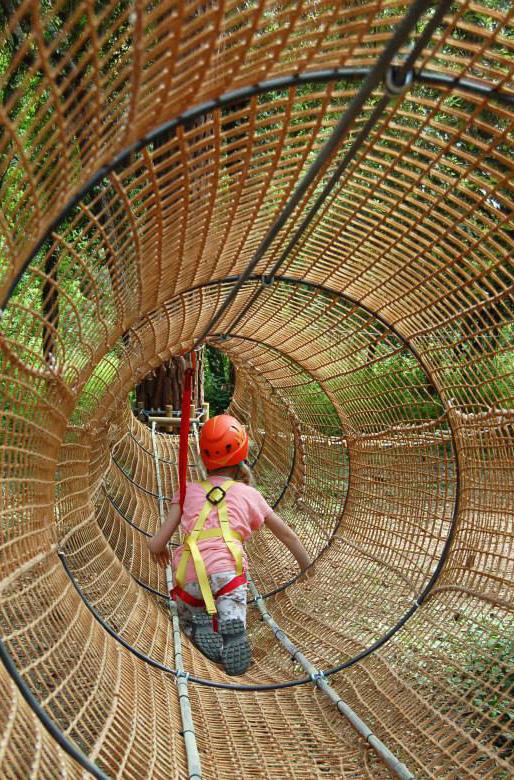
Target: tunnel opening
[
  {"x": 331, "y": 461},
  {"x": 367, "y": 312}
]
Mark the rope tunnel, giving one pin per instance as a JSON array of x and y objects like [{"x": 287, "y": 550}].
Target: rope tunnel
[{"x": 322, "y": 191}]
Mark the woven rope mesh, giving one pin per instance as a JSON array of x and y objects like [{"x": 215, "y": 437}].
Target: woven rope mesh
[{"x": 146, "y": 151}]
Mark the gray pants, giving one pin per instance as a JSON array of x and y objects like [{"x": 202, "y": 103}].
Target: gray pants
[{"x": 231, "y": 605}]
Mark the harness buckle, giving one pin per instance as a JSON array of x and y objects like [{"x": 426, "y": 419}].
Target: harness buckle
[{"x": 216, "y": 495}]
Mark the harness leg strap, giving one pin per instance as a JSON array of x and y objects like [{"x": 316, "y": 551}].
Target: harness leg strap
[{"x": 186, "y": 597}]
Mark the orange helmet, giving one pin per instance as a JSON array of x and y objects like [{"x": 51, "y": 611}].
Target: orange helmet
[{"x": 223, "y": 442}]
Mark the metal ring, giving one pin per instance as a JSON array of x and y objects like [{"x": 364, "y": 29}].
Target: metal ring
[
  {"x": 215, "y": 490},
  {"x": 393, "y": 86}
]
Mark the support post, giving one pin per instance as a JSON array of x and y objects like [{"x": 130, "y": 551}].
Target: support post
[{"x": 168, "y": 409}]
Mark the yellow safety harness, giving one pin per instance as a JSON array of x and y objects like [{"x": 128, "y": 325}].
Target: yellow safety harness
[{"x": 215, "y": 497}]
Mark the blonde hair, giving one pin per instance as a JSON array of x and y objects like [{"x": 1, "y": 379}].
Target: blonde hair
[
  {"x": 241, "y": 473},
  {"x": 245, "y": 474}
]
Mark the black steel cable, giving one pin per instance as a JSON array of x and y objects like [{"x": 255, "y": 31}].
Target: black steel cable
[
  {"x": 123, "y": 515},
  {"x": 65, "y": 743},
  {"x": 400, "y": 78},
  {"x": 136, "y": 484},
  {"x": 371, "y": 82},
  {"x": 416, "y": 602},
  {"x": 234, "y": 97},
  {"x": 142, "y": 447},
  {"x": 434, "y": 79},
  {"x": 127, "y": 519},
  {"x": 149, "y": 588},
  {"x": 288, "y": 479}
]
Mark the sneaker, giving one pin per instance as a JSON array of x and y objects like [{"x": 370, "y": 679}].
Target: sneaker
[
  {"x": 205, "y": 638},
  {"x": 236, "y": 654}
]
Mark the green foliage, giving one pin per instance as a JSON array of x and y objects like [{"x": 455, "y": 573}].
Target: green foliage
[
  {"x": 102, "y": 376},
  {"x": 83, "y": 322},
  {"x": 486, "y": 680},
  {"x": 492, "y": 664},
  {"x": 219, "y": 380},
  {"x": 475, "y": 663}
]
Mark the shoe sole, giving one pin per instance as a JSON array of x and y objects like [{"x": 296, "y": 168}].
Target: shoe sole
[
  {"x": 236, "y": 655},
  {"x": 207, "y": 641}
]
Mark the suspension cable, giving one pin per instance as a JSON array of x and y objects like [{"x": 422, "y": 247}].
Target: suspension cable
[
  {"x": 194, "y": 765},
  {"x": 397, "y": 80},
  {"x": 53, "y": 729},
  {"x": 327, "y": 151},
  {"x": 137, "y": 484},
  {"x": 318, "y": 678}
]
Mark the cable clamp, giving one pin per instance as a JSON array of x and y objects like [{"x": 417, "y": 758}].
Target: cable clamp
[
  {"x": 395, "y": 82},
  {"x": 316, "y": 676},
  {"x": 180, "y": 674}
]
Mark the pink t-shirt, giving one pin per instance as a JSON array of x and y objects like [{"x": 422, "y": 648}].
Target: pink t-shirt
[{"x": 247, "y": 511}]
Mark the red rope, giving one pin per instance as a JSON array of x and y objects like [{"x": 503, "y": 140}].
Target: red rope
[{"x": 184, "y": 431}]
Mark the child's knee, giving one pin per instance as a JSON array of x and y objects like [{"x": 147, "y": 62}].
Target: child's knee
[{"x": 231, "y": 608}]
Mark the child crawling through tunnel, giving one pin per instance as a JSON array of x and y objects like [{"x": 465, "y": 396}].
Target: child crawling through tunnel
[{"x": 219, "y": 515}]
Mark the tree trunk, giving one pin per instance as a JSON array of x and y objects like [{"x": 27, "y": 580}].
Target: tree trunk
[{"x": 165, "y": 385}]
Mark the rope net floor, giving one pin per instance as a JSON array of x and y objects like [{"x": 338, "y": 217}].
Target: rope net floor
[{"x": 147, "y": 152}]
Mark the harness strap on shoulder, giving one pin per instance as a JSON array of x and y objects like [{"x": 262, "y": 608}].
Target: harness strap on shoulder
[
  {"x": 191, "y": 548},
  {"x": 228, "y": 537}
]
